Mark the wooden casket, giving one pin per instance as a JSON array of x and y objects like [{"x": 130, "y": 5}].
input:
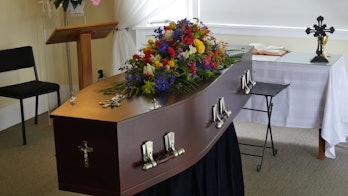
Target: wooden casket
[{"x": 126, "y": 149}]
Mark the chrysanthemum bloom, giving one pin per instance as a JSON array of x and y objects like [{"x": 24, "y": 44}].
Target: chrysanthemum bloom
[{"x": 199, "y": 45}]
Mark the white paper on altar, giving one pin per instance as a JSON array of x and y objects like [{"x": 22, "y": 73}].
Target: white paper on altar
[
  {"x": 264, "y": 58},
  {"x": 316, "y": 98}
]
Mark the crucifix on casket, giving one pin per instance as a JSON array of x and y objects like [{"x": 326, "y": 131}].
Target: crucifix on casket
[
  {"x": 82, "y": 34},
  {"x": 320, "y": 32}
]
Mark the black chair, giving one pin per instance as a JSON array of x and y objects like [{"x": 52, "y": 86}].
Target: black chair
[
  {"x": 23, "y": 58},
  {"x": 268, "y": 90}
]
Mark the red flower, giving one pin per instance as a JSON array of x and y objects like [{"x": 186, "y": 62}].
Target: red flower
[
  {"x": 171, "y": 52},
  {"x": 188, "y": 39},
  {"x": 164, "y": 61},
  {"x": 147, "y": 76},
  {"x": 147, "y": 55},
  {"x": 193, "y": 68},
  {"x": 136, "y": 57},
  {"x": 189, "y": 31},
  {"x": 208, "y": 59},
  {"x": 172, "y": 43}
]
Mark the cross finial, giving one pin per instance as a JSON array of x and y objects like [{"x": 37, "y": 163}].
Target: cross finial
[{"x": 320, "y": 31}]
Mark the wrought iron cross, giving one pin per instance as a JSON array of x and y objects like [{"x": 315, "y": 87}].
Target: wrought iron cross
[
  {"x": 320, "y": 31},
  {"x": 85, "y": 149}
]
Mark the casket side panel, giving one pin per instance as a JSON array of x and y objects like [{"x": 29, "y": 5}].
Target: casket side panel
[
  {"x": 102, "y": 175},
  {"x": 190, "y": 120}
]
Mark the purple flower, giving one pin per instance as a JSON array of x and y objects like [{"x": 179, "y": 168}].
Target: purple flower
[
  {"x": 137, "y": 79},
  {"x": 199, "y": 64},
  {"x": 185, "y": 22},
  {"x": 159, "y": 33},
  {"x": 128, "y": 77},
  {"x": 179, "y": 56},
  {"x": 215, "y": 46},
  {"x": 162, "y": 48},
  {"x": 172, "y": 79},
  {"x": 177, "y": 34},
  {"x": 131, "y": 79},
  {"x": 161, "y": 83},
  {"x": 163, "y": 68}
]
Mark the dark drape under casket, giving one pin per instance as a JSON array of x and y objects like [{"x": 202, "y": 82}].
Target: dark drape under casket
[{"x": 218, "y": 173}]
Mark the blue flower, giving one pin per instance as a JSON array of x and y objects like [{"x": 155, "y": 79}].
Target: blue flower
[
  {"x": 199, "y": 64},
  {"x": 131, "y": 79},
  {"x": 162, "y": 48},
  {"x": 162, "y": 84},
  {"x": 215, "y": 46},
  {"x": 185, "y": 21},
  {"x": 137, "y": 79},
  {"x": 128, "y": 77},
  {"x": 159, "y": 33},
  {"x": 177, "y": 34},
  {"x": 172, "y": 79}
]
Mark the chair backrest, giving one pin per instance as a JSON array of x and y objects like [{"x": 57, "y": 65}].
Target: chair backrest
[{"x": 17, "y": 58}]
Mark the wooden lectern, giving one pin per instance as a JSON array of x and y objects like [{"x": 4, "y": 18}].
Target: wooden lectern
[{"x": 82, "y": 34}]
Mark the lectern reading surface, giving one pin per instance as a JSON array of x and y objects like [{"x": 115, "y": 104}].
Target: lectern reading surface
[{"x": 82, "y": 34}]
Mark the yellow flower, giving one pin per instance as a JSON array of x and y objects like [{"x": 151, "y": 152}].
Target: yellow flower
[
  {"x": 199, "y": 45},
  {"x": 157, "y": 63},
  {"x": 171, "y": 63},
  {"x": 150, "y": 41},
  {"x": 172, "y": 25}
]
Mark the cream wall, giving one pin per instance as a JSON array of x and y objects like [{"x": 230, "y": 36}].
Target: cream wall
[
  {"x": 24, "y": 23},
  {"x": 101, "y": 48}
]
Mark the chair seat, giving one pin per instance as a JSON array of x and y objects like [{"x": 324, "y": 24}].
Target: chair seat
[{"x": 28, "y": 89}]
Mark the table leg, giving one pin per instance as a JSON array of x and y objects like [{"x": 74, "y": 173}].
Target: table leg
[{"x": 321, "y": 148}]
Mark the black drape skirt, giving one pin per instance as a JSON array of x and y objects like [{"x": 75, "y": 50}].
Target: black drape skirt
[{"x": 218, "y": 173}]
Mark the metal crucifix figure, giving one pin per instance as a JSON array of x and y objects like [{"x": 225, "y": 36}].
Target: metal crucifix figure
[
  {"x": 85, "y": 149},
  {"x": 320, "y": 32}
]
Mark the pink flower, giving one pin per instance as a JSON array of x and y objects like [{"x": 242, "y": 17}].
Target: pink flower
[{"x": 95, "y": 2}]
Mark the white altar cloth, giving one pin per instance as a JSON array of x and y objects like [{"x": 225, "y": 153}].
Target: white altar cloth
[{"x": 316, "y": 98}]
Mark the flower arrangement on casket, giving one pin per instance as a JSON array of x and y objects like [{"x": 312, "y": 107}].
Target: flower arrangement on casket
[{"x": 182, "y": 55}]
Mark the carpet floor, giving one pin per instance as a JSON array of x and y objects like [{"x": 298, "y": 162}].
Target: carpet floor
[{"x": 295, "y": 170}]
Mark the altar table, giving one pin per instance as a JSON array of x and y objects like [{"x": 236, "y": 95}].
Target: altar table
[{"x": 316, "y": 98}]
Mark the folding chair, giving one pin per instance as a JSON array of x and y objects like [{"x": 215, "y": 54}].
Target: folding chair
[{"x": 23, "y": 58}]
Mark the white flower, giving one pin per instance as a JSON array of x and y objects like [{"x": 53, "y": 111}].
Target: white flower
[
  {"x": 187, "y": 53},
  {"x": 168, "y": 35},
  {"x": 155, "y": 58},
  {"x": 149, "y": 69}
]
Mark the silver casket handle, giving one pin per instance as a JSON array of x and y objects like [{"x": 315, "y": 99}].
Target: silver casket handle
[{"x": 171, "y": 152}]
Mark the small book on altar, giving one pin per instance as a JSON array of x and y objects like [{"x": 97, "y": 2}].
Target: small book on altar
[{"x": 261, "y": 49}]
